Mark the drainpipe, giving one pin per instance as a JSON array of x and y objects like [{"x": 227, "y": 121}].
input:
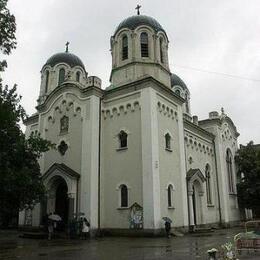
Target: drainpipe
[
  {"x": 219, "y": 205},
  {"x": 99, "y": 160}
]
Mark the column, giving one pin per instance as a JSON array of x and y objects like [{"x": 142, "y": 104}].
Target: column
[{"x": 191, "y": 215}]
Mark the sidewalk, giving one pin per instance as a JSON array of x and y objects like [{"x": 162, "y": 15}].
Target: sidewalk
[{"x": 117, "y": 248}]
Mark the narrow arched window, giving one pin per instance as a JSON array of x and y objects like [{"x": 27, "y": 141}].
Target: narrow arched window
[
  {"x": 144, "y": 45},
  {"x": 124, "y": 48},
  {"x": 177, "y": 92},
  {"x": 161, "y": 50},
  {"x": 78, "y": 76},
  {"x": 169, "y": 193},
  {"x": 46, "y": 80},
  {"x": 61, "y": 75},
  {"x": 168, "y": 141},
  {"x": 187, "y": 103},
  {"x": 124, "y": 195},
  {"x": 208, "y": 186},
  {"x": 230, "y": 171},
  {"x": 122, "y": 139}
]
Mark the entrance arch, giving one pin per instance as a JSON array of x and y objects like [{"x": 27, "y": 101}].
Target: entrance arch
[
  {"x": 195, "y": 180},
  {"x": 61, "y": 183},
  {"x": 58, "y": 201}
]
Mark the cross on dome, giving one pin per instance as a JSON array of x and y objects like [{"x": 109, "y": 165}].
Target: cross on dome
[
  {"x": 138, "y": 9},
  {"x": 67, "y": 46}
]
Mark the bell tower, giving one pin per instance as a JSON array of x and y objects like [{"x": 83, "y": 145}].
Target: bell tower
[{"x": 139, "y": 49}]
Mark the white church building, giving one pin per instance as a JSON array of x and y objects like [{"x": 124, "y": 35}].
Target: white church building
[{"x": 132, "y": 153}]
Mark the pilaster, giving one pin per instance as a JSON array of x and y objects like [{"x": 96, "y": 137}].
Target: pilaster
[{"x": 150, "y": 160}]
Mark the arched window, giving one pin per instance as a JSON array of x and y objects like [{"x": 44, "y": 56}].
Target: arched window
[
  {"x": 64, "y": 124},
  {"x": 61, "y": 75},
  {"x": 122, "y": 139},
  {"x": 161, "y": 50},
  {"x": 208, "y": 186},
  {"x": 124, "y": 48},
  {"x": 144, "y": 45},
  {"x": 170, "y": 195},
  {"x": 124, "y": 195},
  {"x": 78, "y": 76},
  {"x": 168, "y": 141},
  {"x": 46, "y": 80},
  {"x": 187, "y": 103},
  {"x": 230, "y": 171},
  {"x": 177, "y": 91}
]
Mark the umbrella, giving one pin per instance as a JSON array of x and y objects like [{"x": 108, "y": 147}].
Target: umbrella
[
  {"x": 55, "y": 217},
  {"x": 166, "y": 219}
]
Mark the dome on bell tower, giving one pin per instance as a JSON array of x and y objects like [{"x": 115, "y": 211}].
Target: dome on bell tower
[{"x": 134, "y": 21}]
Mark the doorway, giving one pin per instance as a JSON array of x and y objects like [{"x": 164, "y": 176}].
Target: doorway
[{"x": 62, "y": 201}]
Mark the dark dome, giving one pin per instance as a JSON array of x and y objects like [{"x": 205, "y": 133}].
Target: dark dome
[
  {"x": 134, "y": 21},
  {"x": 176, "y": 80},
  {"x": 65, "y": 57}
]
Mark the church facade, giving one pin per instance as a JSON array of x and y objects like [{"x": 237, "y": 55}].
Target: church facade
[{"x": 129, "y": 155}]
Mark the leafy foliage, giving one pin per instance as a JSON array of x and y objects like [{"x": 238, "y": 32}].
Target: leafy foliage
[
  {"x": 7, "y": 32},
  {"x": 20, "y": 179},
  {"x": 248, "y": 162}
]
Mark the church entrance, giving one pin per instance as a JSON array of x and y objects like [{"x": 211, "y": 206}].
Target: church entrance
[
  {"x": 58, "y": 201},
  {"x": 195, "y": 180},
  {"x": 61, "y": 183},
  {"x": 197, "y": 206}
]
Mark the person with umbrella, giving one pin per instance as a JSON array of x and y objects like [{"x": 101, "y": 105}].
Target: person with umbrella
[
  {"x": 167, "y": 225},
  {"x": 51, "y": 220}
]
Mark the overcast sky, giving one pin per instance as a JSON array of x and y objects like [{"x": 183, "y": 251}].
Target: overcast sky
[{"x": 214, "y": 47}]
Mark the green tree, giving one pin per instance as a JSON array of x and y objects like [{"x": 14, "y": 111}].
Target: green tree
[
  {"x": 20, "y": 179},
  {"x": 248, "y": 163},
  {"x": 7, "y": 32}
]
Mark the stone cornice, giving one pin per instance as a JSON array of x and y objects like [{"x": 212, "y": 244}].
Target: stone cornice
[
  {"x": 144, "y": 83},
  {"x": 145, "y": 63},
  {"x": 85, "y": 92},
  {"x": 31, "y": 119}
]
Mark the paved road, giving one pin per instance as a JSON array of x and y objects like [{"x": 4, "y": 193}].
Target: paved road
[{"x": 115, "y": 248}]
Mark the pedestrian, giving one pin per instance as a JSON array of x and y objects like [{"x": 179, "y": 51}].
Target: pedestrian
[
  {"x": 85, "y": 228},
  {"x": 50, "y": 229},
  {"x": 168, "y": 228}
]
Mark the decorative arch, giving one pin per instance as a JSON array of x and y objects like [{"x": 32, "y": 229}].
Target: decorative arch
[
  {"x": 208, "y": 183},
  {"x": 144, "y": 44},
  {"x": 123, "y": 195},
  {"x": 78, "y": 74},
  {"x": 229, "y": 166},
  {"x": 195, "y": 175},
  {"x": 123, "y": 139},
  {"x": 168, "y": 141},
  {"x": 161, "y": 50},
  {"x": 124, "y": 47},
  {"x": 61, "y": 76},
  {"x": 47, "y": 75},
  {"x": 170, "y": 198}
]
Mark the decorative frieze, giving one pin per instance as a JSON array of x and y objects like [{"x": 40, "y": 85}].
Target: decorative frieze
[
  {"x": 167, "y": 111},
  {"x": 198, "y": 145},
  {"x": 120, "y": 109}
]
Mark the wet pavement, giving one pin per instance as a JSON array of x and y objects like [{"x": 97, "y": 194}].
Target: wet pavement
[{"x": 115, "y": 248}]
